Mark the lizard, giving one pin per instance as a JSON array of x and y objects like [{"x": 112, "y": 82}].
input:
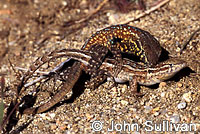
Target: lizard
[
  {"x": 66, "y": 86},
  {"x": 125, "y": 39},
  {"x": 131, "y": 71},
  {"x": 118, "y": 39}
]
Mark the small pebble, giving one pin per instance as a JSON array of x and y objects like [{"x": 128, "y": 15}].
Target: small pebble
[
  {"x": 64, "y": 3},
  {"x": 133, "y": 109},
  {"x": 53, "y": 126},
  {"x": 148, "y": 108},
  {"x": 63, "y": 127},
  {"x": 58, "y": 122},
  {"x": 181, "y": 105},
  {"x": 187, "y": 97},
  {"x": 156, "y": 113},
  {"x": 169, "y": 112},
  {"x": 83, "y": 3},
  {"x": 76, "y": 109},
  {"x": 124, "y": 88},
  {"x": 178, "y": 53},
  {"x": 124, "y": 102},
  {"x": 89, "y": 116},
  {"x": 179, "y": 84},
  {"x": 198, "y": 49},
  {"x": 175, "y": 118},
  {"x": 163, "y": 94},
  {"x": 156, "y": 109},
  {"x": 172, "y": 3},
  {"x": 52, "y": 115},
  {"x": 164, "y": 111},
  {"x": 114, "y": 90},
  {"x": 162, "y": 84},
  {"x": 44, "y": 116},
  {"x": 181, "y": 15}
]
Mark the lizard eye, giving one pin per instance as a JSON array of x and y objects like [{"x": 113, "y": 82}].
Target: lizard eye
[{"x": 171, "y": 68}]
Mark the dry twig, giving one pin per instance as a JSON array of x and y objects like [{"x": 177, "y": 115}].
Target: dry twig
[
  {"x": 93, "y": 12},
  {"x": 146, "y": 12},
  {"x": 188, "y": 40}
]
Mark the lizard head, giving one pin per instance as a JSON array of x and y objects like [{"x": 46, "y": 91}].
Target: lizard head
[
  {"x": 170, "y": 67},
  {"x": 165, "y": 70}
]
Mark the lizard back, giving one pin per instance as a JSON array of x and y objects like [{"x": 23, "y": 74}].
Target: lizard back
[{"x": 131, "y": 40}]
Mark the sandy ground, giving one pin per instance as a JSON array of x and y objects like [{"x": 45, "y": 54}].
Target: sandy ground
[{"x": 29, "y": 29}]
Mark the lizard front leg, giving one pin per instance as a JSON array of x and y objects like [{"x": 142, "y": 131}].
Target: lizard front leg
[
  {"x": 100, "y": 77},
  {"x": 98, "y": 53},
  {"x": 95, "y": 81},
  {"x": 117, "y": 55}
]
